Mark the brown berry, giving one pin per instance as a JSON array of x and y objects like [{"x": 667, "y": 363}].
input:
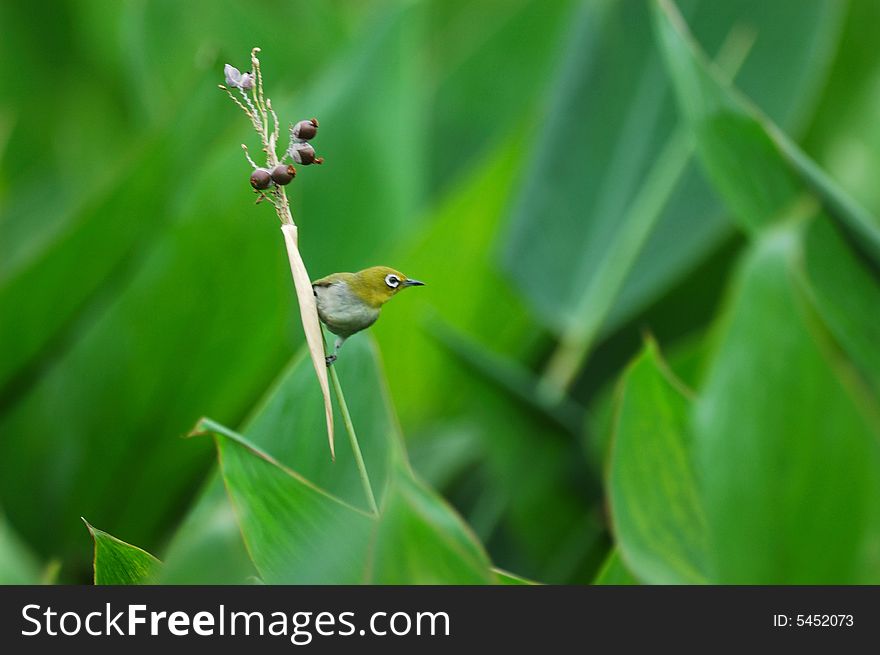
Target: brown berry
[
  {"x": 303, "y": 154},
  {"x": 306, "y": 130},
  {"x": 282, "y": 174},
  {"x": 261, "y": 179}
]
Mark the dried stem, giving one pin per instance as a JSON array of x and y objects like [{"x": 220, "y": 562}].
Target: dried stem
[
  {"x": 247, "y": 155},
  {"x": 240, "y": 106},
  {"x": 256, "y": 108}
]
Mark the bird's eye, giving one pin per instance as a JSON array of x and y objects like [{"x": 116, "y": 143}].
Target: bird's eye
[{"x": 392, "y": 281}]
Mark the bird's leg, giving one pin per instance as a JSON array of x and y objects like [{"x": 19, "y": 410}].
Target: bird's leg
[{"x": 332, "y": 358}]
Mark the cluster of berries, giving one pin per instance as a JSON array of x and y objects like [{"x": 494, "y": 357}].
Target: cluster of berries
[{"x": 300, "y": 151}]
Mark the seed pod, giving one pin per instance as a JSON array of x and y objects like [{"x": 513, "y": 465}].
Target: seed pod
[
  {"x": 306, "y": 130},
  {"x": 304, "y": 153},
  {"x": 282, "y": 174},
  {"x": 261, "y": 179}
]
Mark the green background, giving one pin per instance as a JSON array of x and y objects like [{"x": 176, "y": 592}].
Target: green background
[{"x": 648, "y": 349}]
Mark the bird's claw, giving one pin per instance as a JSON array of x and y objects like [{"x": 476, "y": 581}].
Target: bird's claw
[{"x": 330, "y": 359}]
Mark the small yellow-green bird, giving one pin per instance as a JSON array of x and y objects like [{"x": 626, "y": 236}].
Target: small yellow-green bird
[{"x": 350, "y": 302}]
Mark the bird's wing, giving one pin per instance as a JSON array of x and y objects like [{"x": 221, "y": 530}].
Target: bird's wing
[{"x": 330, "y": 279}]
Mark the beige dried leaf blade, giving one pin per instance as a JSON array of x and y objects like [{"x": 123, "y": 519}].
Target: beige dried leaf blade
[{"x": 312, "y": 328}]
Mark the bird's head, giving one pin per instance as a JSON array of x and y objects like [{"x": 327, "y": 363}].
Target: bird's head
[{"x": 378, "y": 284}]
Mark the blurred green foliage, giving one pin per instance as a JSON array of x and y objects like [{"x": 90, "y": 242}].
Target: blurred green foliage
[{"x": 566, "y": 175}]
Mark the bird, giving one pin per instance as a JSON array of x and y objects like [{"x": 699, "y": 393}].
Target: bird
[{"x": 350, "y": 302}]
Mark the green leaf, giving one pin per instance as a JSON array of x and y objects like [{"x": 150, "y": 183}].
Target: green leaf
[
  {"x": 844, "y": 136},
  {"x": 522, "y": 42},
  {"x": 756, "y": 168},
  {"x": 611, "y": 184},
  {"x": 298, "y": 533},
  {"x": 294, "y": 531},
  {"x": 788, "y": 450},
  {"x": 507, "y": 578},
  {"x": 119, "y": 563},
  {"x": 656, "y": 509},
  {"x": 34, "y": 311},
  {"x": 614, "y": 571},
  {"x": 766, "y": 179},
  {"x": 842, "y": 285},
  {"x": 284, "y": 424},
  {"x": 17, "y": 564},
  {"x": 862, "y": 227},
  {"x": 207, "y": 547},
  {"x": 419, "y": 539}
]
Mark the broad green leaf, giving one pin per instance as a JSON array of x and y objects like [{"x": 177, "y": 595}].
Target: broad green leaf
[
  {"x": 297, "y": 533},
  {"x": 614, "y": 571},
  {"x": 862, "y": 228},
  {"x": 843, "y": 287},
  {"x": 133, "y": 378},
  {"x": 757, "y": 169},
  {"x": 285, "y": 424},
  {"x": 507, "y": 578},
  {"x": 685, "y": 358},
  {"x": 419, "y": 539},
  {"x": 656, "y": 509},
  {"x": 506, "y": 68},
  {"x": 788, "y": 452},
  {"x": 844, "y": 137},
  {"x": 17, "y": 564},
  {"x": 119, "y": 563},
  {"x": 84, "y": 253},
  {"x": 765, "y": 179},
  {"x": 294, "y": 531},
  {"x": 611, "y": 184},
  {"x": 207, "y": 547}
]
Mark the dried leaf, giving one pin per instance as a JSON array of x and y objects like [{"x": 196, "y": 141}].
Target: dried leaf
[{"x": 309, "y": 313}]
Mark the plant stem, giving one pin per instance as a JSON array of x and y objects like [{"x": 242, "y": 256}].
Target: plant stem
[{"x": 352, "y": 437}]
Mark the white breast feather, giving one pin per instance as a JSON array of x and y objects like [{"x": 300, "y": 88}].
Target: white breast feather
[{"x": 342, "y": 312}]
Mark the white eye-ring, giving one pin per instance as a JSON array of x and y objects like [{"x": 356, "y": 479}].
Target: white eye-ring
[{"x": 392, "y": 281}]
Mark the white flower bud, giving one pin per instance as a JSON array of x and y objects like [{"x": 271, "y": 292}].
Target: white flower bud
[{"x": 233, "y": 75}]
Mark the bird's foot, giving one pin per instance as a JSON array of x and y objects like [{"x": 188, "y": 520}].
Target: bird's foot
[{"x": 330, "y": 359}]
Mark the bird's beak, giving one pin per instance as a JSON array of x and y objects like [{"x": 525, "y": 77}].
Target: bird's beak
[{"x": 413, "y": 283}]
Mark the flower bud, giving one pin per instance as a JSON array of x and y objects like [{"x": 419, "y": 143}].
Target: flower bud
[
  {"x": 261, "y": 179},
  {"x": 306, "y": 130},
  {"x": 304, "y": 153},
  {"x": 282, "y": 174},
  {"x": 232, "y": 74}
]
